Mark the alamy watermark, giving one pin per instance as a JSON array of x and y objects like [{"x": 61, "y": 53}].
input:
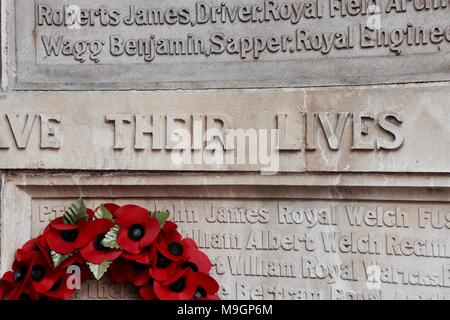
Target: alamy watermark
[
  {"x": 228, "y": 147},
  {"x": 74, "y": 280},
  {"x": 374, "y": 20},
  {"x": 373, "y": 277}
]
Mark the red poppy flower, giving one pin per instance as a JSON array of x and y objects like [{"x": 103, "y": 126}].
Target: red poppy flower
[
  {"x": 6, "y": 284},
  {"x": 66, "y": 238},
  {"x": 111, "y": 207},
  {"x": 25, "y": 292},
  {"x": 207, "y": 287},
  {"x": 137, "y": 229},
  {"x": 90, "y": 213},
  {"x": 130, "y": 271},
  {"x": 169, "y": 232},
  {"x": 32, "y": 245},
  {"x": 186, "y": 251},
  {"x": 182, "y": 287},
  {"x": 147, "y": 292},
  {"x": 144, "y": 257},
  {"x": 60, "y": 290},
  {"x": 172, "y": 256},
  {"x": 19, "y": 278},
  {"x": 160, "y": 262},
  {"x": 186, "y": 285},
  {"x": 94, "y": 251},
  {"x": 45, "y": 249},
  {"x": 22, "y": 265},
  {"x": 42, "y": 276}
]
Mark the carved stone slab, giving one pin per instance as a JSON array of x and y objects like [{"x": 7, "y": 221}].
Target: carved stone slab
[
  {"x": 271, "y": 239},
  {"x": 380, "y": 129},
  {"x": 225, "y": 44}
]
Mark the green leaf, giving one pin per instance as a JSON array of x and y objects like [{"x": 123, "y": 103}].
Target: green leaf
[
  {"x": 75, "y": 212},
  {"x": 58, "y": 258},
  {"x": 98, "y": 270},
  {"x": 162, "y": 217},
  {"x": 110, "y": 240},
  {"x": 103, "y": 213}
]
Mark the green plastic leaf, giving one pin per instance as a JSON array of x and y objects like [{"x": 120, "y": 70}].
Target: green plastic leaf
[
  {"x": 58, "y": 258},
  {"x": 103, "y": 213},
  {"x": 110, "y": 239},
  {"x": 75, "y": 212},
  {"x": 162, "y": 217},
  {"x": 98, "y": 270}
]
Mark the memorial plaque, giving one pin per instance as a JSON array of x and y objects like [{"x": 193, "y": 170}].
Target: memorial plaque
[
  {"x": 306, "y": 152},
  {"x": 400, "y": 129},
  {"x": 197, "y": 44},
  {"x": 389, "y": 241}
]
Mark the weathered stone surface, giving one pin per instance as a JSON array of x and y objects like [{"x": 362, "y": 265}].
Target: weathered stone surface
[
  {"x": 294, "y": 192},
  {"x": 385, "y": 129},
  {"x": 420, "y": 108},
  {"x": 257, "y": 44},
  {"x": 272, "y": 238},
  {"x": 134, "y": 130}
]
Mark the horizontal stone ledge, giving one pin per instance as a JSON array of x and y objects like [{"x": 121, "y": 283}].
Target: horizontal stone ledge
[
  {"x": 33, "y": 179},
  {"x": 392, "y": 129}
]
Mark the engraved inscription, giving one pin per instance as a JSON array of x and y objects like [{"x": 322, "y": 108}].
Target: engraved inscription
[
  {"x": 307, "y": 249},
  {"x": 296, "y": 17},
  {"x": 20, "y": 126},
  {"x": 207, "y": 44},
  {"x": 156, "y": 131}
]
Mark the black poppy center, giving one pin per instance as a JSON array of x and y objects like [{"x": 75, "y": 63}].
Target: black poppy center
[
  {"x": 98, "y": 242},
  {"x": 178, "y": 285},
  {"x": 200, "y": 293},
  {"x": 162, "y": 261},
  {"x": 69, "y": 235},
  {"x": 136, "y": 232},
  {"x": 37, "y": 272},
  {"x": 20, "y": 274},
  {"x": 175, "y": 249},
  {"x": 191, "y": 265},
  {"x": 139, "y": 266},
  {"x": 56, "y": 286}
]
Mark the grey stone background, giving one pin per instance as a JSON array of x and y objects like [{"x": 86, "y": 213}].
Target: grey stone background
[
  {"x": 37, "y": 183},
  {"x": 32, "y": 69}
]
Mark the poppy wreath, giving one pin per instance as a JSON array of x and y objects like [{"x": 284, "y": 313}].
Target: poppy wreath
[{"x": 128, "y": 242}]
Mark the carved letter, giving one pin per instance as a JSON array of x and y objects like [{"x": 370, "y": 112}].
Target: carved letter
[
  {"x": 3, "y": 143},
  {"x": 50, "y": 136},
  {"x": 216, "y": 132},
  {"x": 144, "y": 127},
  {"x": 334, "y": 137},
  {"x": 310, "y": 124},
  {"x": 172, "y": 119},
  {"x": 287, "y": 141},
  {"x": 21, "y": 133},
  {"x": 197, "y": 131},
  {"x": 360, "y": 129},
  {"x": 118, "y": 120},
  {"x": 392, "y": 129}
]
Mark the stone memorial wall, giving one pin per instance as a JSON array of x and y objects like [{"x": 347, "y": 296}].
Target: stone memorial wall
[
  {"x": 306, "y": 149},
  {"x": 226, "y": 44}
]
